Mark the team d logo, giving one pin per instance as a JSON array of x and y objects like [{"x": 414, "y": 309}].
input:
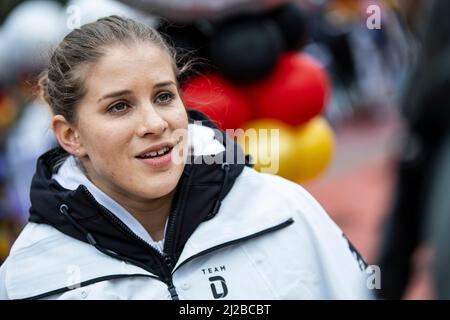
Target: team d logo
[{"x": 218, "y": 287}]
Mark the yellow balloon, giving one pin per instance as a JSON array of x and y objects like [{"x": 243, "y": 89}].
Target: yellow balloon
[
  {"x": 271, "y": 144},
  {"x": 4, "y": 246},
  {"x": 298, "y": 154},
  {"x": 8, "y": 112},
  {"x": 314, "y": 148}
]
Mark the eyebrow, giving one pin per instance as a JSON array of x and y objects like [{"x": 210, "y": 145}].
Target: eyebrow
[
  {"x": 114, "y": 94},
  {"x": 123, "y": 92},
  {"x": 165, "y": 84}
]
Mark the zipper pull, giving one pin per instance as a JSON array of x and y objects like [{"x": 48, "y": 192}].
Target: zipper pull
[
  {"x": 173, "y": 292},
  {"x": 170, "y": 286}
]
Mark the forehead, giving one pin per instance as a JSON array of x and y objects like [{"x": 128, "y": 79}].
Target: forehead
[{"x": 128, "y": 65}]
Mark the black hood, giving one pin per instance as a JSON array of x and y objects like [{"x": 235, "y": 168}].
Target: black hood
[{"x": 76, "y": 213}]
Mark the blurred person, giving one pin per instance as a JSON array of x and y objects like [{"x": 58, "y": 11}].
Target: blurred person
[
  {"x": 27, "y": 140},
  {"x": 114, "y": 216},
  {"x": 26, "y": 36},
  {"x": 417, "y": 228}
]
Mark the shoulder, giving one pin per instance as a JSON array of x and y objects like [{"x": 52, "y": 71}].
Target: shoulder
[
  {"x": 23, "y": 256},
  {"x": 273, "y": 195},
  {"x": 33, "y": 234},
  {"x": 44, "y": 259},
  {"x": 258, "y": 196},
  {"x": 279, "y": 187},
  {"x": 262, "y": 190}
]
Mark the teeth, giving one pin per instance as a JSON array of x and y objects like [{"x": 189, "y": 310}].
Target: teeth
[
  {"x": 160, "y": 152},
  {"x": 156, "y": 153}
]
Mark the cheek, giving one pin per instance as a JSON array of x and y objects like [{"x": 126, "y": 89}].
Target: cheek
[
  {"x": 179, "y": 118},
  {"x": 179, "y": 125},
  {"x": 101, "y": 142}
]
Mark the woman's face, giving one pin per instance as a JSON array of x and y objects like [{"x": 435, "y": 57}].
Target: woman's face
[{"x": 127, "y": 120}]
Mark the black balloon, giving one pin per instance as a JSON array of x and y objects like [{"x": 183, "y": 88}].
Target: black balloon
[
  {"x": 188, "y": 37},
  {"x": 245, "y": 49},
  {"x": 293, "y": 25},
  {"x": 191, "y": 42}
]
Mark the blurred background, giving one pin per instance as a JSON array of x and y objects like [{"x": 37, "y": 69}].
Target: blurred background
[{"x": 358, "y": 89}]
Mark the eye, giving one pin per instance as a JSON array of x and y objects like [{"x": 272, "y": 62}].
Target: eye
[
  {"x": 164, "y": 98},
  {"x": 119, "y": 107}
]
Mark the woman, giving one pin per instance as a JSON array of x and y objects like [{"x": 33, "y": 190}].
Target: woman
[{"x": 124, "y": 209}]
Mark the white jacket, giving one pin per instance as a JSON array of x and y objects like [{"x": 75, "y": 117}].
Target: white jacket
[
  {"x": 306, "y": 259},
  {"x": 269, "y": 240}
]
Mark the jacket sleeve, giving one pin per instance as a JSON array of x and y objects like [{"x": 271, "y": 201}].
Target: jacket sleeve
[
  {"x": 343, "y": 272},
  {"x": 3, "y": 293}
]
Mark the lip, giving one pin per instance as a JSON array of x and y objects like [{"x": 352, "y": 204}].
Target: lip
[{"x": 158, "y": 162}]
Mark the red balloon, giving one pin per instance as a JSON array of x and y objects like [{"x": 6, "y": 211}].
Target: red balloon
[
  {"x": 218, "y": 99},
  {"x": 295, "y": 92}
]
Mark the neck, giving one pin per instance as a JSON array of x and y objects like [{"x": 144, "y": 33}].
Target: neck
[{"x": 152, "y": 214}]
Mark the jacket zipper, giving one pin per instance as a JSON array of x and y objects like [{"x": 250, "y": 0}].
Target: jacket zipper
[
  {"x": 165, "y": 263},
  {"x": 171, "y": 233}
]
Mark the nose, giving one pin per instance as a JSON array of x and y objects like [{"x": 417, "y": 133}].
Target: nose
[{"x": 151, "y": 122}]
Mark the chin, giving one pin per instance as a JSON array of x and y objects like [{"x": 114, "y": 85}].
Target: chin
[{"x": 158, "y": 190}]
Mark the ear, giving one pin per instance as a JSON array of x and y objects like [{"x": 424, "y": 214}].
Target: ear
[{"x": 67, "y": 136}]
